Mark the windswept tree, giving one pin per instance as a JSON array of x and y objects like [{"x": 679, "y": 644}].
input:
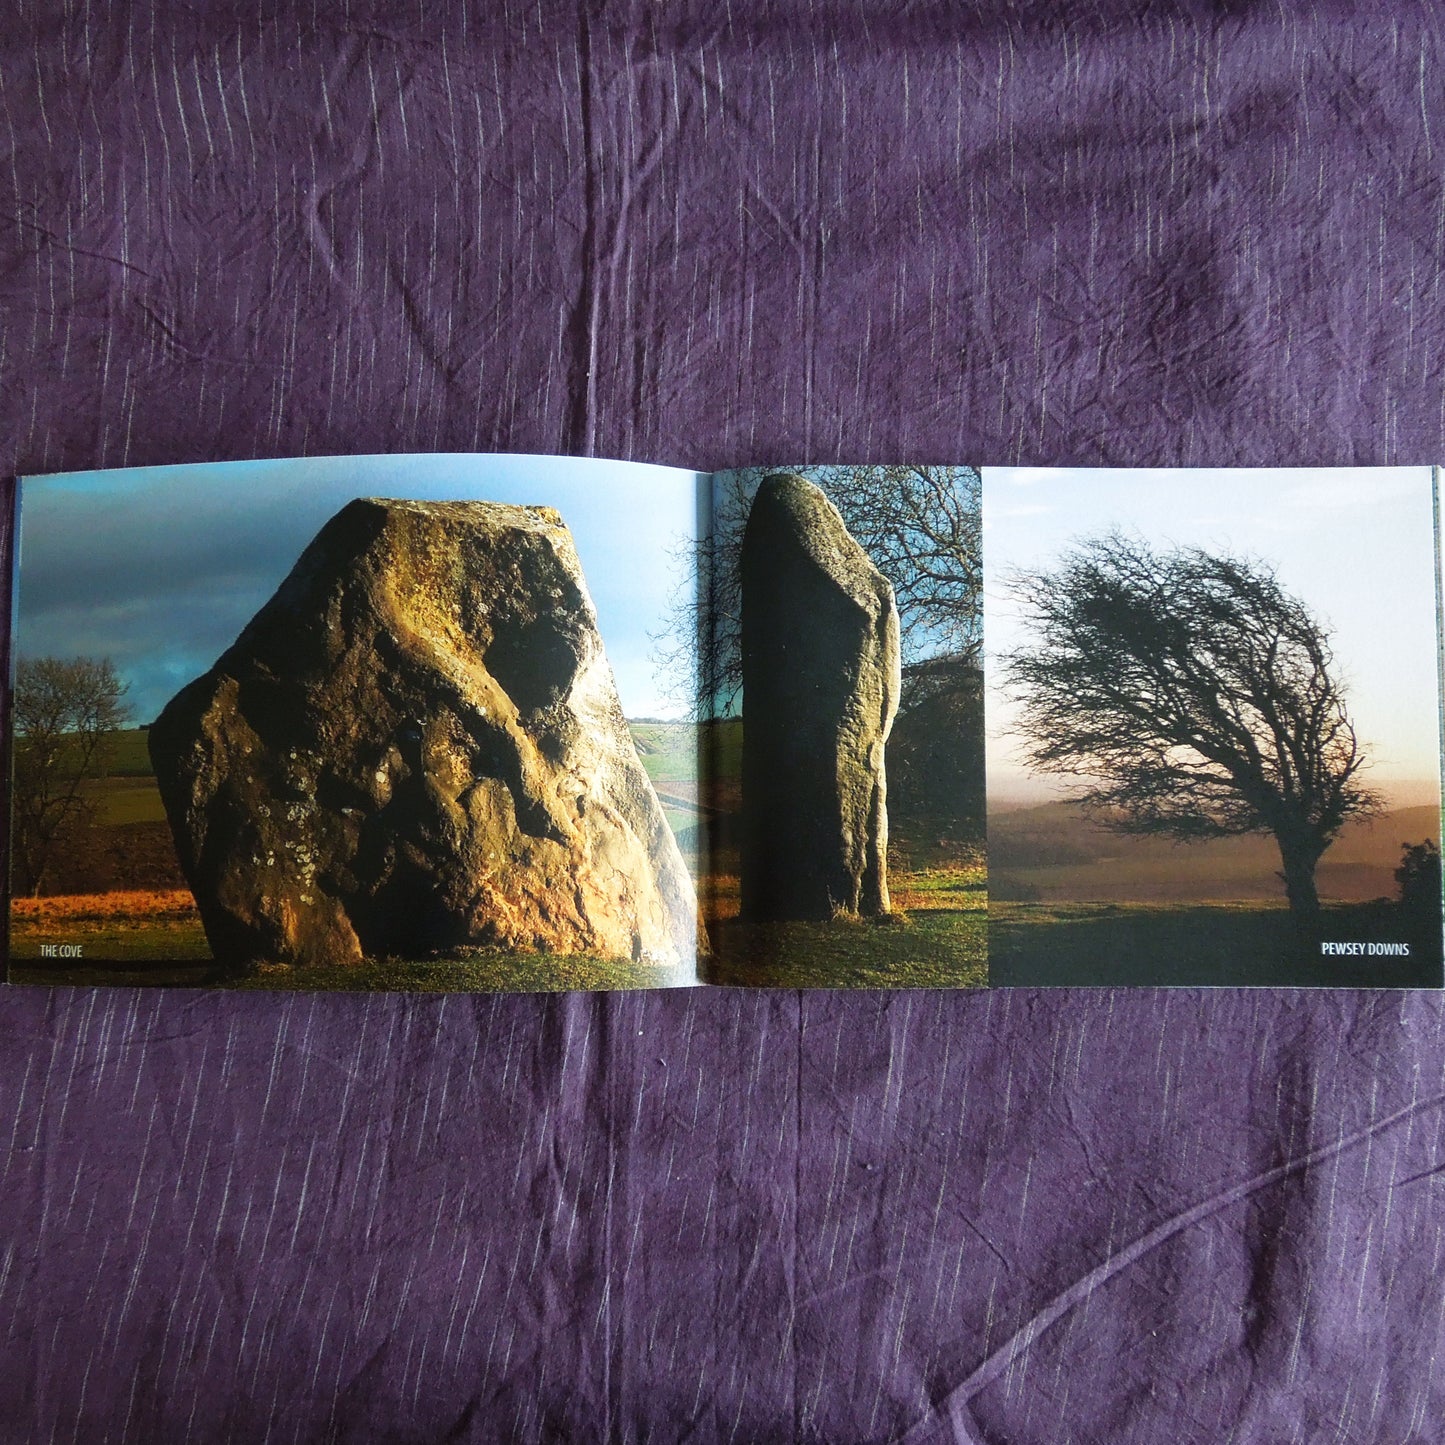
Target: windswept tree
[
  {"x": 1192, "y": 697},
  {"x": 922, "y": 527},
  {"x": 67, "y": 713}
]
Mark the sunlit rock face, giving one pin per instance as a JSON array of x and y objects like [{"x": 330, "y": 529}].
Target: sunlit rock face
[
  {"x": 417, "y": 747},
  {"x": 820, "y": 654}
]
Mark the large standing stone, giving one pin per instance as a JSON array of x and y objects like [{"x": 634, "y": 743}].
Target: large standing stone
[
  {"x": 417, "y": 746},
  {"x": 820, "y": 688}
]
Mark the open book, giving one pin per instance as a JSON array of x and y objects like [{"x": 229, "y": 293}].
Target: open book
[{"x": 505, "y": 722}]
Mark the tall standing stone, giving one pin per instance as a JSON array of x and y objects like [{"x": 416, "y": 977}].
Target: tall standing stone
[
  {"x": 820, "y": 689},
  {"x": 416, "y": 746}
]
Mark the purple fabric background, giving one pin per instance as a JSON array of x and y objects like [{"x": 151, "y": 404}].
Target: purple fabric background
[{"x": 712, "y": 235}]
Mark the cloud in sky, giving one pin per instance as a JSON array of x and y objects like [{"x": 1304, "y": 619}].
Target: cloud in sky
[
  {"x": 159, "y": 568},
  {"x": 1357, "y": 544}
]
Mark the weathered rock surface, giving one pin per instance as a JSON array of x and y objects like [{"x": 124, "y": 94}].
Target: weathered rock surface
[
  {"x": 820, "y": 689},
  {"x": 417, "y": 746}
]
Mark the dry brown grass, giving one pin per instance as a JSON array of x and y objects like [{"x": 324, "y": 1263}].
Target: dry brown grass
[
  {"x": 910, "y": 898},
  {"x": 172, "y": 905},
  {"x": 929, "y": 890},
  {"x": 719, "y": 896}
]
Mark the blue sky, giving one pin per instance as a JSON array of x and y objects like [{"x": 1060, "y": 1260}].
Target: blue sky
[
  {"x": 1357, "y": 544},
  {"x": 159, "y": 568}
]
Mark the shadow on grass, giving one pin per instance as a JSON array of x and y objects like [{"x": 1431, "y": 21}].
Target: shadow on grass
[
  {"x": 940, "y": 948},
  {"x": 1207, "y": 945}
]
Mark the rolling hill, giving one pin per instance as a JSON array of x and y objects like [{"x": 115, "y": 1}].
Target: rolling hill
[{"x": 1054, "y": 853}]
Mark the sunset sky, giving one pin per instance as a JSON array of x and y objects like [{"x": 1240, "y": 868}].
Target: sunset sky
[{"x": 1357, "y": 545}]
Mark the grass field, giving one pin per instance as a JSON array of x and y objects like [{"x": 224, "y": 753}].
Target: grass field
[
  {"x": 156, "y": 938},
  {"x": 127, "y": 800},
  {"x": 1055, "y": 853},
  {"x": 1209, "y": 945},
  {"x": 668, "y": 751},
  {"x": 131, "y": 758},
  {"x": 134, "y": 937},
  {"x": 936, "y": 938}
]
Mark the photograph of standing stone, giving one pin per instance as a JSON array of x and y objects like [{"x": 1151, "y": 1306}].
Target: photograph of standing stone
[
  {"x": 821, "y": 674},
  {"x": 354, "y": 722},
  {"x": 451, "y": 722},
  {"x": 843, "y": 728},
  {"x": 416, "y": 747},
  {"x": 1213, "y": 727}
]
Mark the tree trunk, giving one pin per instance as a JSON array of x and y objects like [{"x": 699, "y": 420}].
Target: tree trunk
[{"x": 1299, "y": 856}]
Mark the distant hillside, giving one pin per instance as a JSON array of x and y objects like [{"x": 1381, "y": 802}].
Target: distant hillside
[
  {"x": 1053, "y": 853},
  {"x": 668, "y": 749},
  {"x": 131, "y": 758}
]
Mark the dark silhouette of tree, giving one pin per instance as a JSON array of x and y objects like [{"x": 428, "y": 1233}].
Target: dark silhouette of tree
[
  {"x": 67, "y": 713},
  {"x": 1419, "y": 878},
  {"x": 936, "y": 749},
  {"x": 1192, "y": 697},
  {"x": 922, "y": 527}
]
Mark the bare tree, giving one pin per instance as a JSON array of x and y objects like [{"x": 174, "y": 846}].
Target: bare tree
[
  {"x": 921, "y": 525},
  {"x": 1193, "y": 697},
  {"x": 67, "y": 713}
]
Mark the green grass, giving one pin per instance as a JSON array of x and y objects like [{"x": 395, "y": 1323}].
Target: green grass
[
  {"x": 146, "y": 942},
  {"x": 722, "y": 741},
  {"x": 131, "y": 759},
  {"x": 941, "y": 948},
  {"x": 937, "y": 937},
  {"x": 177, "y": 954},
  {"x": 127, "y": 800},
  {"x": 154, "y": 953},
  {"x": 669, "y": 755},
  {"x": 1212, "y": 944},
  {"x": 680, "y": 822},
  {"x": 485, "y": 973},
  {"x": 668, "y": 750}
]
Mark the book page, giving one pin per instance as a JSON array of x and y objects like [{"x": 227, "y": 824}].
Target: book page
[
  {"x": 843, "y": 728},
  {"x": 355, "y": 722},
  {"x": 483, "y": 722},
  {"x": 1207, "y": 704},
  {"x": 1213, "y": 726}
]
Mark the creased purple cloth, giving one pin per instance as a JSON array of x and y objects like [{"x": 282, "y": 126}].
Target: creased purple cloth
[{"x": 713, "y": 235}]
